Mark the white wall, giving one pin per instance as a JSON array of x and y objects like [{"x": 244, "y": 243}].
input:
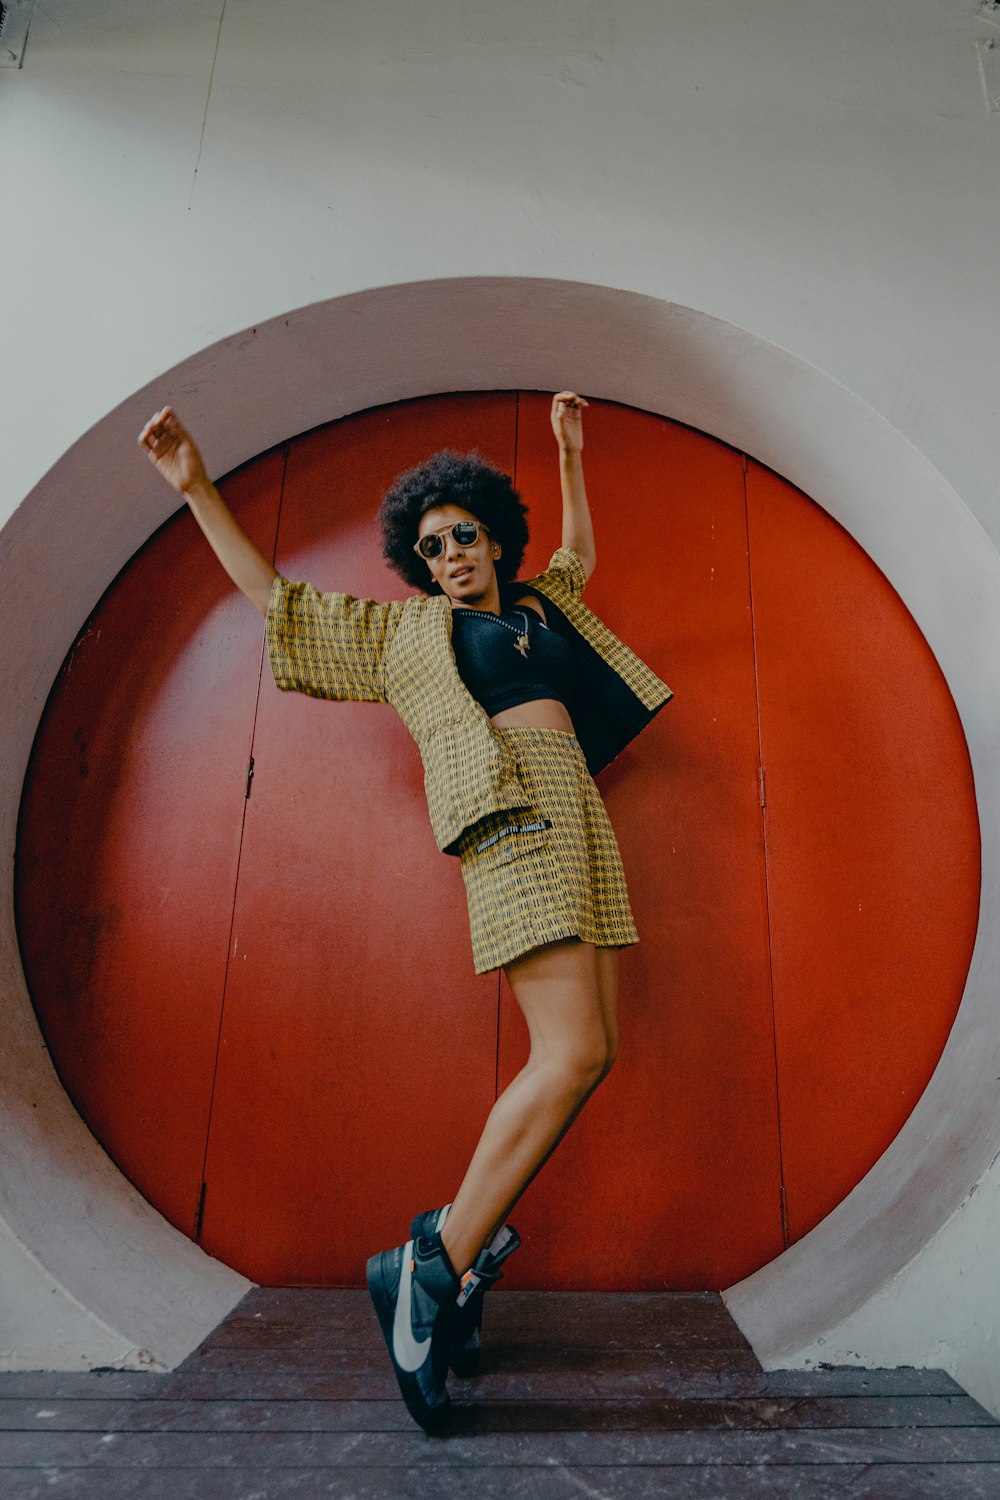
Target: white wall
[
  {"x": 823, "y": 179},
  {"x": 825, "y": 176},
  {"x": 943, "y": 1312}
]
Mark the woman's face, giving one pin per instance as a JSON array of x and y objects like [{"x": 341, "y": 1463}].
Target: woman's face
[{"x": 465, "y": 573}]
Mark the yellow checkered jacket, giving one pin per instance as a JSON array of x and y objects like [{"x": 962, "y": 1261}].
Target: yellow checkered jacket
[{"x": 399, "y": 652}]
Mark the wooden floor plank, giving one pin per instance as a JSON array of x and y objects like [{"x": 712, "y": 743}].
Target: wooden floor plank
[
  {"x": 505, "y": 1358},
  {"x": 851, "y": 1380},
  {"x": 619, "y": 1415},
  {"x": 693, "y": 1380},
  {"x": 953, "y": 1482},
  {"x": 278, "y": 1450},
  {"x": 319, "y": 1319}
]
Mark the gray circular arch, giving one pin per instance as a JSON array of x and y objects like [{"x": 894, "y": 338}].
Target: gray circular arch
[{"x": 62, "y": 1203}]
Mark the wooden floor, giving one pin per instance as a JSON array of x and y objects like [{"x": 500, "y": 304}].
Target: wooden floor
[{"x": 594, "y": 1396}]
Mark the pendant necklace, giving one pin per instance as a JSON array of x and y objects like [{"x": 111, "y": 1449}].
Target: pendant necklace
[{"x": 522, "y": 644}]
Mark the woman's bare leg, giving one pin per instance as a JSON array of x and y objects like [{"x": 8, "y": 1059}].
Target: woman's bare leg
[
  {"x": 607, "y": 990},
  {"x": 607, "y": 987},
  {"x": 567, "y": 992}
]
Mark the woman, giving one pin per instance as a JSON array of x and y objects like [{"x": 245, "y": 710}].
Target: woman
[{"x": 511, "y": 691}]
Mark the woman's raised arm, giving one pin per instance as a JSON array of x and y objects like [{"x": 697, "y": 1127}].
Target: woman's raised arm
[
  {"x": 174, "y": 454},
  {"x": 577, "y": 528}
]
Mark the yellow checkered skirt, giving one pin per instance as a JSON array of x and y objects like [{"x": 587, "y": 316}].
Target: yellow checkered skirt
[{"x": 532, "y": 878}]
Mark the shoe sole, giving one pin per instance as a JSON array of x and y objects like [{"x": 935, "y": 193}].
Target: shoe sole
[{"x": 381, "y": 1290}]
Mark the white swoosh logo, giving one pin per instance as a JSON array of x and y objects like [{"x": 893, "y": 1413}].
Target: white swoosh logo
[{"x": 407, "y": 1351}]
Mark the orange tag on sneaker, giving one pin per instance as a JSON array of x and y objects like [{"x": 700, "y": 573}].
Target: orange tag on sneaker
[{"x": 466, "y": 1288}]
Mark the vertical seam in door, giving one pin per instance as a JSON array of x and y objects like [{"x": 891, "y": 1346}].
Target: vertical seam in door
[
  {"x": 767, "y": 875},
  {"x": 236, "y": 882}
]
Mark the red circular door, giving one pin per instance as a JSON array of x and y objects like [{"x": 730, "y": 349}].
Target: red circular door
[{"x": 252, "y": 966}]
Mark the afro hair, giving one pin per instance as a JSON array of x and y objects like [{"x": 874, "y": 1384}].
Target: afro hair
[{"x": 464, "y": 480}]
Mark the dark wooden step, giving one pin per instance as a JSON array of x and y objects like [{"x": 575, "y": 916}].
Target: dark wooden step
[{"x": 595, "y": 1395}]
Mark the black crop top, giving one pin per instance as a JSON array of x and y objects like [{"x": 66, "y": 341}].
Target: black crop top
[{"x": 496, "y": 673}]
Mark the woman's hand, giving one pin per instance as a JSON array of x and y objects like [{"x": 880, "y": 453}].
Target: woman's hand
[
  {"x": 567, "y": 421},
  {"x": 174, "y": 454},
  {"x": 172, "y": 451}
]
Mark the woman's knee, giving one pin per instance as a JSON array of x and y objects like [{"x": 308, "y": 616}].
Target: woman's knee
[{"x": 582, "y": 1065}]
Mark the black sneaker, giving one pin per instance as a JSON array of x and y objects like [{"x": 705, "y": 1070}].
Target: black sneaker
[
  {"x": 414, "y": 1288},
  {"x": 463, "y": 1347}
]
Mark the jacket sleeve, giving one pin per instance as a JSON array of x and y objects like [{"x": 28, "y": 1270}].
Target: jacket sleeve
[
  {"x": 566, "y": 571},
  {"x": 329, "y": 645}
]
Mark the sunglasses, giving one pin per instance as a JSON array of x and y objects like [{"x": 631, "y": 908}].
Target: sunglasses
[{"x": 465, "y": 534}]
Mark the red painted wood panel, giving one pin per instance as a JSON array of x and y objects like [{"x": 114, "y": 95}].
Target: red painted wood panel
[
  {"x": 872, "y": 845},
  {"x": 129, "y": 840},
  {"x": 358, "y": 1056},
  {"x": 670, "y": 1177},
  {"x": 357, "y": 1053}
]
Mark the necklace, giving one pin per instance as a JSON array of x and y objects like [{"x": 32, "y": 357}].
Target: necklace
[{"x": 522, "y": 644}]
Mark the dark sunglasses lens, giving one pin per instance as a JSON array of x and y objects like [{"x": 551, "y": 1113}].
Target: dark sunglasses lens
[
  {"x": 465, "y": 533},
  {"x": 431, "y": 546}
]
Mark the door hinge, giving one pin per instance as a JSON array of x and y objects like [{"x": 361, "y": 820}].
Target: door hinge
[
  {"x": 199, "y": 1217},
  {"x": 246, "y": 786}
]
